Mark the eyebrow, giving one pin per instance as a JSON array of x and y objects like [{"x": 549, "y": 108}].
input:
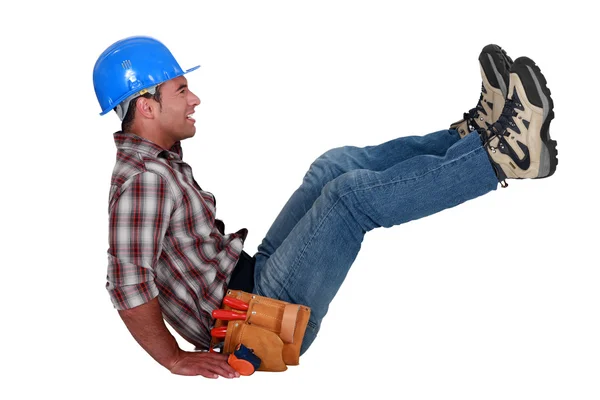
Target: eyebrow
[{"x": 182, "y": 86}]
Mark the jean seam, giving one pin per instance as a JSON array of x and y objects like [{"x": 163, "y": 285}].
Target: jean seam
[{"x": 464, "y": 157}]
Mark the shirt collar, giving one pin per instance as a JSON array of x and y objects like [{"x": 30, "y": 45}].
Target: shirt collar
[{"x": 130, "y": 141}]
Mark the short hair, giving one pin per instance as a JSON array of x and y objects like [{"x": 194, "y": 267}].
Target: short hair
[{"x": 130, "y": 116}]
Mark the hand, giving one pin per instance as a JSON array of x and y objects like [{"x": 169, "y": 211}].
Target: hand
[{"x": 209, "y": 365}]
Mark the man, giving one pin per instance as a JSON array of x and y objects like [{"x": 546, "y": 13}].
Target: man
[{"x": 169, "y": 257}]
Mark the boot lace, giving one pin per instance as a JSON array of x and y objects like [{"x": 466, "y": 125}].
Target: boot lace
[
  {"x": 498, "y": 128},
  {"x": 473, "y": 114}
]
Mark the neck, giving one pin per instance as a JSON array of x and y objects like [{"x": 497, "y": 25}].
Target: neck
[{"x": 154, "y": 136}]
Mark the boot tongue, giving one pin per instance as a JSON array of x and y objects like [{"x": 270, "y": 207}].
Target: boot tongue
[{"x": 497, "y": 128}]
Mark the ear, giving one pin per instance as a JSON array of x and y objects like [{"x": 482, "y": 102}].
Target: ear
[{"x": 145, "y": 107}]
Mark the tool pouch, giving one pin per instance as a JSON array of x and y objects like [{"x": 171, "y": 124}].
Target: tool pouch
[{"x": 273, "y": 329}]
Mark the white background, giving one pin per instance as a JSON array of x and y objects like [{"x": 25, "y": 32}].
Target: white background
[{"x": 495, "y": 299}]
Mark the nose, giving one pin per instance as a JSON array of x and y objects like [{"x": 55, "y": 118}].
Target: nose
[{"x": 193, "y": 99}]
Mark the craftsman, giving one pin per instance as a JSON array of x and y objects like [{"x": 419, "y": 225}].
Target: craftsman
[{"x": 170, "y": 258}]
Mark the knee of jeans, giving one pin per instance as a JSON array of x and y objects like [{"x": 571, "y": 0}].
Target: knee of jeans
[
  {"x": 343, "y": 184},
  {"x": 326, "y": 166},
  {"x": 333, "y": 190},
  {"x": 345, "y": 193},
  {"x": 333, "y": 155}
]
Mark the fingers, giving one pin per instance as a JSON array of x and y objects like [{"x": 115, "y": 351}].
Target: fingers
[
  {"x": 221, "y": 366},
  {"x": 225, "y": 370},
  {"x": 208, "y": 365}
]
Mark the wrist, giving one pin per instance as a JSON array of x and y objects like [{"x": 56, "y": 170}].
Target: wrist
[{"x": 173, "y": 358}]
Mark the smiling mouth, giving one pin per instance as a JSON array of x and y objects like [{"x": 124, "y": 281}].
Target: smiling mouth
[{"x": 190, "y": 117}]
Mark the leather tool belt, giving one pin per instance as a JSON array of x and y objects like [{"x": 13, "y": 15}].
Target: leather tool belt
[{"x": 273, "y": 329}]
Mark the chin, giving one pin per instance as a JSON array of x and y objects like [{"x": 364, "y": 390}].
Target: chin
[
  {"x": 188, "y": 131},
  {"x": 189, "y": 135}
]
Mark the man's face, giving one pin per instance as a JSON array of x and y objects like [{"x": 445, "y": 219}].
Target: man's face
[{"x": 177, "y": 106}]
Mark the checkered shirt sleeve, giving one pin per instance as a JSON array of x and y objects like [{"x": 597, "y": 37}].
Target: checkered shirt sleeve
[{"x": 138, "y": 219}]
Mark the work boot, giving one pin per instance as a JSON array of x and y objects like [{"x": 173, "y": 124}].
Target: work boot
[
  {"x": 495, "y": 65},
  {"x": 519, "y": 143}
]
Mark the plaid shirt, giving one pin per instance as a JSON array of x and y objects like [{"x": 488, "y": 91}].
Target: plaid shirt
[{"x": 164, "y": 239}]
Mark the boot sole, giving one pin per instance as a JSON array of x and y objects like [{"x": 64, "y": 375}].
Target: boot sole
[
  {"x": 538, "y": 94},
  {"x": 496, "y": 66}
]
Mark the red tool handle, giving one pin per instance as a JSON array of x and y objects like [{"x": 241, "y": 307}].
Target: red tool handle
[
  {"x": 219, "y": 332},
  {"x": 235, "y": 303},
  {"x": 228, "y": 315}
]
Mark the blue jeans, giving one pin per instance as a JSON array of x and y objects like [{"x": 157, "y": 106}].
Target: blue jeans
[{"x": 348, "y": 191}]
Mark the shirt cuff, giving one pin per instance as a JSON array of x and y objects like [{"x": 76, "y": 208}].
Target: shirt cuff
[{"x": 130, "y": 296}]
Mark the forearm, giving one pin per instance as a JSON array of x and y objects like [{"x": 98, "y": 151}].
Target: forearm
[{"x": 146, "y": 324}]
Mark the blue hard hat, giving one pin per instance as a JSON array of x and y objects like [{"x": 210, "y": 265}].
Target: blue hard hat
[{"x": 131, "y": 65}]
